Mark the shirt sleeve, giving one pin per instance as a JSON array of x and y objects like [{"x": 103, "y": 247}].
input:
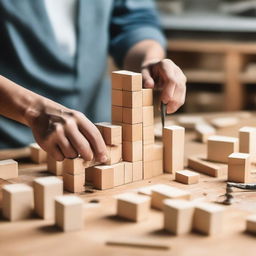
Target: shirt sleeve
[{"x": 133, "y": 21}]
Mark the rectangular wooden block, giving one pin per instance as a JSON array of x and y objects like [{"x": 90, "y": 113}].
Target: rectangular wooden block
[
  {"x": 117, "y": 80},
  {"x": 152, "y": 168},
  {"x": 69, "y": 213},
  {"x": 137, "y": 171},
  {"x": 133, "y": 207},
  {"x": 222, "y": 122},
  {"x": 152, "y": 152},
  {"x": 74, "y": 183},
  {"x": 45, "y": 190},
  {"x": 251, "y": 224},
  {"x": 148, "y": 116},
  {"x": 247, "y": 138},
  {"x": 127, "y": 172},
  {"x": 132, "y": 151},
  {"x": 147, "y": 97},
  {"x": 117, "y": 98},
  {"x": 132, "y": 115},
  {"x": 131, "y": 81},
  {"x": 103, "y": 177},
  {"x": 75, "y": 166},
  {"x": 17, "y": 201},
  {"x": 208, "y": 218},
  {"x": 201, "y": 165},
  {"x": 178, "y": 216},
  {"x": 187, "y": 177},
  {"x": 132, "y": 132},
  {"x": 220, "y": 147},
  {"x": 174, "y": 142},
  {"x": 119, "y": 178},
  {"x": 162, "y": 192},
  {"x": 37, "y": 154},
  {"x": 204, "y": 131},
  {"x": 8, "y": 169},
  {"x": 148, "y": 135},
  {"x": 54, "y": 167},
  {"x": 114, "y": 154},
  {"x": 132, "y": 99},
  {"x": 190, "y": 122},
  {"x": 117, "y": 114},
  {"x": 239, "y": 168},
  {"x": 157, "y": 166}
]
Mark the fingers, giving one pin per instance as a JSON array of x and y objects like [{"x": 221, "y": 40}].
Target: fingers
[{"x": 148, "y": 81}]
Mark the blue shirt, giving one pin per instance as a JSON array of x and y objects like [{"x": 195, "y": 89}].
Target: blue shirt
[{"x": 31, "y": 57}]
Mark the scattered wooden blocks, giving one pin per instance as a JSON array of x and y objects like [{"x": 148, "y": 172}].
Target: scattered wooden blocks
[
  {"x": 251, "y": 224},
  {"x": 117, "y": 98},
  {"x": 117, "y": 114},
  {"x": 137, "y": 171},
  {"x": 114, "y": 154},
  {"x": 208, "y": 218},
  {"x": 220, "y": 147},
  {"x": 8, "y": 169},
  {"x": 132, "y": 151},
  {"x": 147, "y": 97},
  {"x": 127, "y": 172},
  {"x": 37, "y": 154},
  {"x": 204, "y": 131},
  {"x": 222, "y": 122},
  {"x": 45, "y": 190},
  {"x": 69, "y": 213},
  {"x": 187, "y": 177},
  {"x": 132, "y": 115},
  {"x": 162, "y": 192},
  {"x": 239, "y": 167},
  {"x": 132, "y": 99},
  {"x": 247, "y": 138},
  {"x": 189, "y": 122},
  {"x": 148, "y": 116},
  {"x": 17, "y": 201},
  {"x": 133, "y": 207},
  {"x": 148, "y": 135},
  {"x": 173, "y": 140},
  {"x": 54, "y": 167},
  {"x": 178, "y": 216},
  {"x": 132, "y": 132},
  {"x": 74, "y": 183}
]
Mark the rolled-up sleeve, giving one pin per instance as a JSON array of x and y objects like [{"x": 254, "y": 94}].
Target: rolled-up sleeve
[{"x": 133, "y": 21}]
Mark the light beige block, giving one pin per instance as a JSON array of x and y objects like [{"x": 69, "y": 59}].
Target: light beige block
[
  {"x": 220, "y": 147},
  {"x": 137, "y": 171},
  {"x": 117, "y": 114},
  {"x": 187, "y": 177},
  {"x": 117, "y": 98},
  {"x": 54, "y": 167},
  {"x": 223, "y": 122},
  {"x": 247, "y": 141},
  {"x": 103, "y": 177},
  {"x": 8, "y": 169},
  {"x": 152, "y": 152},
  {"x": 204, "y": 131},
  {"x": 37, "y": 154},
  {"x": 157, "y": 166},
  {"x": 112, "y": 134},
  {"x": 132, "y": 132},
  {"x": 132, "y": 151},
  {"x": 127, "y": 172},
  {"x": 69, "y": 213},
  {"x": 148, "y": 116},
  {"x": 119, "y": 174},
  {"x": 147, "y": 170},
  {"x": 133, "y": 207},
  {"x": 75, "y": 166},
  {"x": 17, "y": 202},
  {"x": 114, "y": 154},
  {"x": 147, "y": 190},
  {"x": 132, "y": 99},
  {"x": 174, "y": 141},
  {"x": 131, "y": 81},
  {"x": 147, "y": 95},
  {"x": 251, "y": 224},
  {"x": 74, "y": 183},
  {"x": 45, "y": 190},
  {"x": 132, "y": 115},
  {"x": 148, "y": 135},
  {"x": 190, "y": 122}
]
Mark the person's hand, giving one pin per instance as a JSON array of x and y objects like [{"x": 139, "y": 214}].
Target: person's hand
[
  {"x": 66, "y": 133},
  {"x": 167, "y": 75}
]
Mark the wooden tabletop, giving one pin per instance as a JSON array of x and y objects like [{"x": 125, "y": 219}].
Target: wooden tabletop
[{"x": 39, "y": 237}]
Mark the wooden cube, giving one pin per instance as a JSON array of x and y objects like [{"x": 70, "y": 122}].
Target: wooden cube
[
  {"x": 201, "y": 165},
  {"x": 148, "y": 116},
  {"x": 132, "y": 115},
  {"x": 127, "y": 172},
  {"x": 161, "y": 192},
  {"x": 220, "y": 147},
  {"x": 132, "y": 151},
  {"x": 174, "y": 142},
  {"x": 132, "y": 132},
  {"x": 251, "y": 224},
  {"x": 117, "y": 80},
  {"x": 45, "y": 190},
  {"x": 190, "y": 122},
  {"x": 114, "y": 154},
  {"x": 133, "y": 207},
  {"x": 148, "y": 135},
  {"x": 208, "y": 218},
  {"x": 204, "y": 131},
  {"x": 137, "y": 171},
  {"x": 75, "y": 166},
  {"x": 131, "y": 81},
  {"x": 89, "y": 174},
  {"x": 117, "y": 114},
  {"x": 17, "y": 201},
  {"x": 152, "y": 152},
  {"x": 119, "y": 175},
  {"x": 103, "y": 177},
  {"x": 239, "y": 167},
  {"x": 117, "y": 98},
  {"x": 247, "y": 138},
  {"x": 8, "y": 169},
  {"x": 112, "y": 134},
  {"x": 74, "y": 183},
  {"x": 178, "y": 216},
  {"x": 37, "y": 154},
  {"x": 132, "y": 99},
  {"x": 147, "y": 170},
  {"x": 187, "y": 177},
  {"x": 54, "y": 167},
  {"x": 147, "y": 97},
  {"x": 222, "y": 122},
  {"x": 69, "y": 213}
]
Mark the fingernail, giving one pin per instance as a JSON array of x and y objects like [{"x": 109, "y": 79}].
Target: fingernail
[{"x": 104, "y": 159}]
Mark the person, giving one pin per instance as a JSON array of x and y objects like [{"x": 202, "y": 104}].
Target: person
[{"x": 53, "y": 58}]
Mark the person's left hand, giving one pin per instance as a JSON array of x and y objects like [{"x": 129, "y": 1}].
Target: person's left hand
[{"x": 165, "y": 74}]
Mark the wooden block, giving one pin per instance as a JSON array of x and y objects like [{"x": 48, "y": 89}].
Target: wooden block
[
  {"x": 208, "y": 218},
  {"x": 89, "y": 174},
  {"x": 74, "y": 183},
  {"x": 117, "y": 80},
  {"x": 220, "y": 147},
  {"x": 147, "y": 170},
  {"x": 75, "y": 166},
  {"x": 132, "y": 115},
  {"x": 204, "y": 131},
  {"x": 17, "y": 201},
  {"x": 147, "y": 191},
  {"x": 199, "y": 164},
  {"x": 162, "y": 192},
  {"x": 8, "y": 169},
  {"x": 103, "y": 177},
  {"x": 148, "y": 116},
  {"x": 187, "y": 177},
  {"x": 148, "y": 135},
  {"x": 137, "y": 171},
  {"x": 190, "y": 122},
  {"x": 119, "y": 175},
  {"x": 157, "y": 167},
  {"x": 222, "y": 122},
  {"x": 247, "y": 139},
  {"x": 251, "y": 224},
  {"x": 174, "y": 141},
  {"x": 239, "y": 167},
  {"x": 69, "y": 213},
  {"x": 133, "y": 207},
  {"x": 132, "y": 99},
  {"x": 132, "y": 151},
  {"x": 147, "y": 97},
  {"x": 114, "y": 154},
  {"x": 127, "y": 172},
  {"x": 178, "y": 216},
  {"x": 54, "y": 167},
  {"x": 45, "y": 190},
  {"x": 117, "y": 98},
  {"x": 152, "y": 152},
  {"x": 117, "y": 114},
  {"x": 132, "y": 132},
  {"x": 37, "y": 154},
  {"x": 131, "y": 81}
]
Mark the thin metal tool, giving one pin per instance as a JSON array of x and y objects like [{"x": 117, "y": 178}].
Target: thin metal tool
[{"x": 163, "y": 113}]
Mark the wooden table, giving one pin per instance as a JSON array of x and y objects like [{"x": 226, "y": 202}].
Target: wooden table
[{"x": 38, "y": 237}]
